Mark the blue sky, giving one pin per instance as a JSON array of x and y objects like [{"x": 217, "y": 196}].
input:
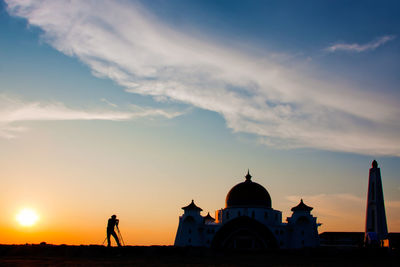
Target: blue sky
[
  {"x": 304, "y": 59},
  {"x": 294, "y": 90}
]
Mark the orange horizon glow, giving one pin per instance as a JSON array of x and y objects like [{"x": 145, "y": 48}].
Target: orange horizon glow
[
  {"x": 76, "y": 213},
  {"x": 137, "y": 233}
]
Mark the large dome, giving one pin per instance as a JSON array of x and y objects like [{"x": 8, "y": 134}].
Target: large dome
[{"x": 248, "y": 193}]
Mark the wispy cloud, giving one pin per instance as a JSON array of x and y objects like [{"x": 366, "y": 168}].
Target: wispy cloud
[
  {"x": 329, "y": 208},
  {"x": 13, "y": 112},
  {"x": 361, "y": 47},
  {"x": 330, "y": 204},
  {"x": 108, "y": 103},
  {"x": 256, "y": 94}
]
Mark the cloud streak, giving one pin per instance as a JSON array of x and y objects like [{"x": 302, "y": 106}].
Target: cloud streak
[
  {"x": 358, "y": 48},
  {"x": 13, "y": 112},
  {"x": 329, "y": 208},
  {"x": 284, "y": 106},
  {"x": 109, "y": 103}
]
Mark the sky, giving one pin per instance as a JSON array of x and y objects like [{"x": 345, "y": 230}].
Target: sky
[{"x": 135, "y": 108}]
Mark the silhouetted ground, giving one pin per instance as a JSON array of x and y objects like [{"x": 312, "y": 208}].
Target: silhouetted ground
[{"x": 85, "y": 256}]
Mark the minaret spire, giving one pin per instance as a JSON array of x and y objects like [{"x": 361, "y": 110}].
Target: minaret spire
[{"x": 374, "y": 164}]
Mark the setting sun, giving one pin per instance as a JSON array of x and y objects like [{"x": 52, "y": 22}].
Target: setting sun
[{"x": 27, "y": 217}]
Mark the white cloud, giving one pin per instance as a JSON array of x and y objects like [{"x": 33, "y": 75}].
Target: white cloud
[
  {"x": 336, "y": 212},
  {"x": 361, "y": 47},
  {"x": 109, "y": 103},
  {"x": 345, "y": 212},
  {"x": 256, "y": 94},
  {"x": 13, "y": 112}
]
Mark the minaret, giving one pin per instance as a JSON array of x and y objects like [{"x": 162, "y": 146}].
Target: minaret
[{"x": 375, "y": 221}]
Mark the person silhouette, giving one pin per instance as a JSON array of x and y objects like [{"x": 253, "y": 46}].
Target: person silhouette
[{"x": 112, "y": 222}]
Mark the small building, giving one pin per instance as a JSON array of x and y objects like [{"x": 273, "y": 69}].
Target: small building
[
  {"x": 342, "y": 239},
  {"x": 248, "y": 221}
]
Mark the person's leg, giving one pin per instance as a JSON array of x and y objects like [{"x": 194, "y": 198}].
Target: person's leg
[
  {"x": 116, "y": 238},
  {"x": 108, "y": 239}
]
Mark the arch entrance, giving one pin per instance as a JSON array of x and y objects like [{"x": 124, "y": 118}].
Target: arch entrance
[{"x": 244, "y": 233}]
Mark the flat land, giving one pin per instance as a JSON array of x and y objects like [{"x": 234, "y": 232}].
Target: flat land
[{"x": 94, "y": 255}]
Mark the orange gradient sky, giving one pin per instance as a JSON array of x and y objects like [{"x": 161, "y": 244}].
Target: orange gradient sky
[{"x": 75, "y": 186}]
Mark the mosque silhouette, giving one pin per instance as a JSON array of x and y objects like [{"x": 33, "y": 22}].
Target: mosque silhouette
[{"x": 248, "y": 221}]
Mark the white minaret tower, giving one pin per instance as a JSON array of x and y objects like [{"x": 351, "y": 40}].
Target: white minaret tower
[{"x": 375, "y": 222}]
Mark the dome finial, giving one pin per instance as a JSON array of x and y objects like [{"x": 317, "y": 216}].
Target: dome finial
[
  {"x": 374, "y": 164},
  {"x": 248, "y": 176}
]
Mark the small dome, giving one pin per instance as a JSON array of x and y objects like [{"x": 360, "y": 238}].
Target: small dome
[
  {"x": 302, "y": 207},
  {"x": 248, "y": 193},
  {"x": 208, "y": 219},
  {"x": 192, "y": 206}
]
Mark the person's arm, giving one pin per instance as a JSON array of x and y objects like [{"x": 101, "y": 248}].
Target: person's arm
[{"x": 116, "y": 222}]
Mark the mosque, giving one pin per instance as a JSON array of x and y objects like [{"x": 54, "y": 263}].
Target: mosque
[{"x": 248, "y": 221}]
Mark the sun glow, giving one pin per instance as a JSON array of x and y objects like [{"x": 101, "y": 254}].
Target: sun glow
[{"x": 27, "y": 217}]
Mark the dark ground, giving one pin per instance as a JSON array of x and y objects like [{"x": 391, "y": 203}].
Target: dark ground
[{"x": 85, "y": 256}]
